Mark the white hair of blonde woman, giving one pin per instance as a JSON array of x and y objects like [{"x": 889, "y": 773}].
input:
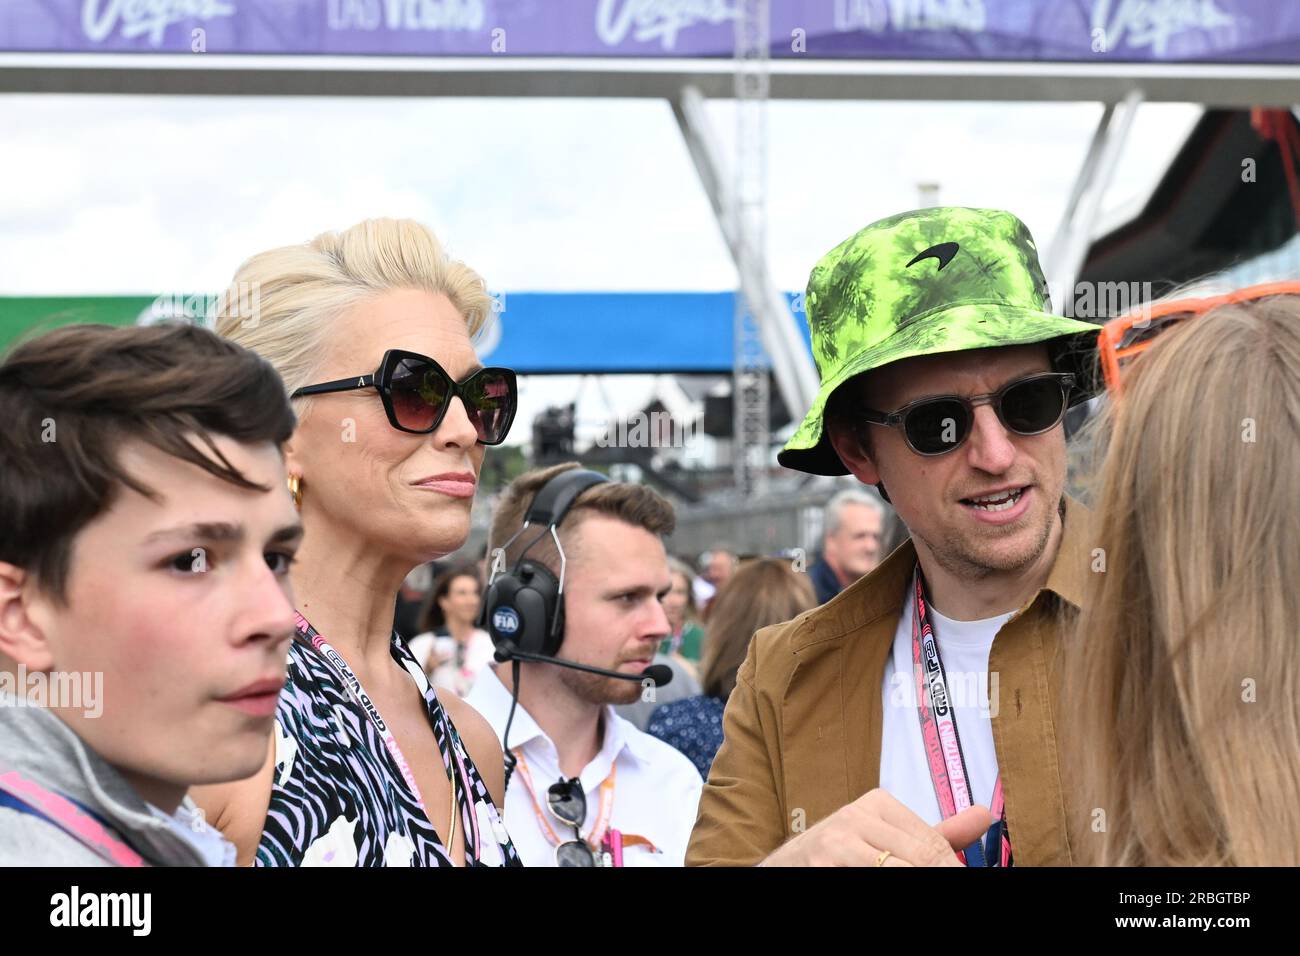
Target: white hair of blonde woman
[{"x": 282, "y": 303}]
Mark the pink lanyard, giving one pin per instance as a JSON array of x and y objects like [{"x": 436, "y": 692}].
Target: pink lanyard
[
  {"x": 68, "y": 817},
  {"x": 939, "y": 728},
  {"x": 358, "y": 694}
]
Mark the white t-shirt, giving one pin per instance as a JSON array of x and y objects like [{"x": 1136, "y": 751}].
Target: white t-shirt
[{"x": 904, "y": 770}]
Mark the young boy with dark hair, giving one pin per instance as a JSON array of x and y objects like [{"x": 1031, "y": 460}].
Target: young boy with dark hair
[{"x": 145, "y": 606}]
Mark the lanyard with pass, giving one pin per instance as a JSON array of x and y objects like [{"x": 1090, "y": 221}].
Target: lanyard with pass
[
  {"x": 26, "y": 796},
  {"x": 597, "y": 833},
  {"x": 358, "y": 694},
  {"x": 943, "y": 749}
]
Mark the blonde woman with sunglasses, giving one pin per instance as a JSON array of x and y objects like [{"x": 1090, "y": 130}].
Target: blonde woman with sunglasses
[
  {"x": 371, "y": 328},
  {"x": 1185, "y": 716}
]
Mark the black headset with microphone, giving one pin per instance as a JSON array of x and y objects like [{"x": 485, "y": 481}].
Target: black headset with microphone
[{"x": 523, "y": 608}]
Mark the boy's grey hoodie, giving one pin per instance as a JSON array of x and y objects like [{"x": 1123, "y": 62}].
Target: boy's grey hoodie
[{"x": 40, "y": 746}]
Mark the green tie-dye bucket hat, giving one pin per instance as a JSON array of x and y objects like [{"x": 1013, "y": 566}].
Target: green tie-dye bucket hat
[{"x": 936, "y": 280}]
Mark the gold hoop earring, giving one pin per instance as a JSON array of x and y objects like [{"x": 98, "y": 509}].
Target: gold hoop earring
[{"x": 295, "y": 491}]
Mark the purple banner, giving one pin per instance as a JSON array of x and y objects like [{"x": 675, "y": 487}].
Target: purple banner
[{"x": 1243, "y": 31}]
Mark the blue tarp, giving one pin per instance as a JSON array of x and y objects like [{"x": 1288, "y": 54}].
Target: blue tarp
[
  {"x": 536, "y": 333},
  {"x": 607, "y": 332}
]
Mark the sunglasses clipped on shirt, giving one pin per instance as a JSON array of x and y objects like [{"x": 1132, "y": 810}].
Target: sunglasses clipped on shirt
[
  {"x": 568, "y": 802},
  {"x": 942, "y": 423},
  {"x": 417, "y": 391}
]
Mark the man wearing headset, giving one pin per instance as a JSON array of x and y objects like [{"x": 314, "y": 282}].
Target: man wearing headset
[
  {"x": 944, "y": 381},
  {"x": 578, "y": 570}
]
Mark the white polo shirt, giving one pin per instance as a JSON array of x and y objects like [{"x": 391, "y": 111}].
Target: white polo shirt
[{"x": 655, "y": 795}]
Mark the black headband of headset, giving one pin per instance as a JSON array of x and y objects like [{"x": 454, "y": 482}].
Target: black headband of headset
[{"x": 555, "y": 498}]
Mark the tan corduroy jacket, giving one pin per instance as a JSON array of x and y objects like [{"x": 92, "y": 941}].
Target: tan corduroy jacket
[{"x": 803, "y": 726}]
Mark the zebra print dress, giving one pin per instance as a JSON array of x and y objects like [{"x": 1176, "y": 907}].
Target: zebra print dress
[{"x": 340, "y": 799}]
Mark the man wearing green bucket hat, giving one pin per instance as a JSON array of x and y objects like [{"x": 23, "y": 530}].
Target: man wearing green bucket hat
[{"x": 883, "y": 727}]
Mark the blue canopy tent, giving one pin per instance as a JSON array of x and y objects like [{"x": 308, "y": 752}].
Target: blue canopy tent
[
  {"x": 535, "y": 333},
  {"x": 541, "y": 333}
]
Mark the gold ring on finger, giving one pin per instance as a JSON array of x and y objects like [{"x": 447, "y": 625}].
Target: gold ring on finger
[{"x": 880, "y": 860}]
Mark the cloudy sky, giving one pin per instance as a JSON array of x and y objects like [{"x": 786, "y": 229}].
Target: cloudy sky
[{"x": 135, "y": 195}]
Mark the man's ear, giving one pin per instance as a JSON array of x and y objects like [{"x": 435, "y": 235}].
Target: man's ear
[
  {"x": 848, "y": 445},
  {"x": 22, "y": 639}
]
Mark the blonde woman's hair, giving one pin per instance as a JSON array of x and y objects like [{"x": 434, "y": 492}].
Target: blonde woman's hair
[
  {"x": 1182, "y": 695},
  {"x": 282, "y": 302},
  {"x": 762, "y": 592}
]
